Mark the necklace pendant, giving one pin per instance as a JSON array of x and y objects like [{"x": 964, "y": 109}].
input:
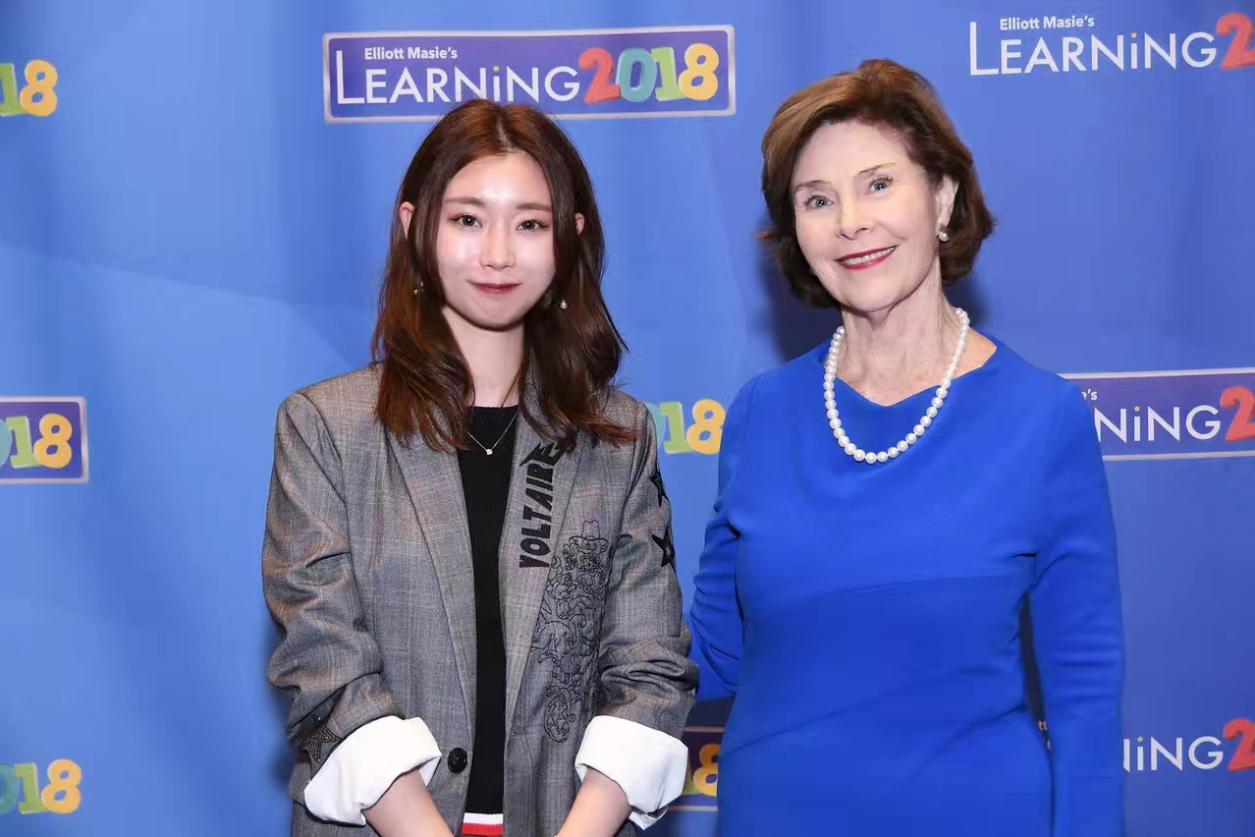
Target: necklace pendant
[{"x": 488, "y": 451}]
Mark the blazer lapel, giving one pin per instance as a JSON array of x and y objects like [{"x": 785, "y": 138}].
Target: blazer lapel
[
  {"x": 435, "y": 487},
  {"x": 540, "y": 490}
]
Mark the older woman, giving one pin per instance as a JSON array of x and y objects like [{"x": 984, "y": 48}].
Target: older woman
[{"x": 888, "y": 505}]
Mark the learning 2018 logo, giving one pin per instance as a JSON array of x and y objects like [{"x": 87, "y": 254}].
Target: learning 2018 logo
[
  {"x": 702, "y": 434},
  {"x": 43, "y": 440},
  {"x": 20, "y": 788},
  {"x": 1191, "y": 414},
  {"x": 1081, "y": 43},
  {"x": 33, "y": 94},
  {"x": 1205, "y": 752},
  {"x": 577, "y": 74},
  {"x": 701, "y": 784}
]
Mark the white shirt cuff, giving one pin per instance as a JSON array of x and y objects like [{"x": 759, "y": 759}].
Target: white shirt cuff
[
  {"x": 366, "y": 764},
  {"x": 650, "y": 766}
]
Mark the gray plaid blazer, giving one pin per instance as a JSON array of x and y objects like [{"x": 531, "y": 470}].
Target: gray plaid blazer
[{"x": 367, "y": 571}]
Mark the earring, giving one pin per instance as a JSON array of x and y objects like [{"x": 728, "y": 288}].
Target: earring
[
  {"x": 562, "y": 304},
  {"x": 943, "y": 235}
]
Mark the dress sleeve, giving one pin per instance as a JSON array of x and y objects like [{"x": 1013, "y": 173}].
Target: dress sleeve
[
  {"x": 1077, "y": 633},
  {"x": 715, "y": 617}
]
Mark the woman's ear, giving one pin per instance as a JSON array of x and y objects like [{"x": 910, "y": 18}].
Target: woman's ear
[
  {"x": 405, "y": 213},
  {"x": 944, "y": 196},
  {"x": 579, "y": 223}
]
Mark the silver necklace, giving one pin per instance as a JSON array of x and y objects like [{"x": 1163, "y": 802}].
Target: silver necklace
[
  {"x": 893, "y": 451},
  {"x": 489, "y": 450}
]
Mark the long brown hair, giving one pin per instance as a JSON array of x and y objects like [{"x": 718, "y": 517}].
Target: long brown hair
[
  {"x": 879, "y": 92},
  {"x": 570, "y": 354}
]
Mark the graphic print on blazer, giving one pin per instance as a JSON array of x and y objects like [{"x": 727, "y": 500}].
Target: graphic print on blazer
[
  {"x": 665, "y": 543},
  {"x": 534, "y": 545},
  {"x": 569, "y": 626}
]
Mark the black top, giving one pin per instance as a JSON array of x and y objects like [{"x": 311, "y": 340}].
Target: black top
[{"x": 486, "y": 485}]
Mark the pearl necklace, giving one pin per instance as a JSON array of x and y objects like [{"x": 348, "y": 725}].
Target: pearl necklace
[{"x": 894, "y": 451}]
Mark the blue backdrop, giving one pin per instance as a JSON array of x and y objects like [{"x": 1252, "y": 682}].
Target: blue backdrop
[{"x": 194, "y": 200}]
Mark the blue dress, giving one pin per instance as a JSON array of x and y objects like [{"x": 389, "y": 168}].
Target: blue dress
[{"x": 866, "y": 617}]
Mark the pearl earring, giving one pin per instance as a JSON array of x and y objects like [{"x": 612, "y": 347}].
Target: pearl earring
[
  {"x": 943, "y": 235},
  {"x": 562, "y": 304}
]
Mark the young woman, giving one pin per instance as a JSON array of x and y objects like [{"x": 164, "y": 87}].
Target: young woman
[{"x": 468, "y": 542}]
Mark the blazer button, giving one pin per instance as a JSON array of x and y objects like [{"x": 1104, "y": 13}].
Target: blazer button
[{"x": 457, "y": 759}]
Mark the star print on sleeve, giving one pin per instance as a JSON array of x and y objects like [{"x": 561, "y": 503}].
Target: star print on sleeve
[
  {"x": 318, "y": 740},
  {"x": 656, "y": 479},
  {"x": 666, "y": 545}
]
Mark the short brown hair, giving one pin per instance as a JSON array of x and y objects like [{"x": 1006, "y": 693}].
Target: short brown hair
[
  {"x": 880, "y": 92},
  {"x": 572, "y": 351}
]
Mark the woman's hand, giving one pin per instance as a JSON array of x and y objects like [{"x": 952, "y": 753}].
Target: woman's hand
[
  {"x": 407, "y": 810},
  {"x": 599, "y": 810}
]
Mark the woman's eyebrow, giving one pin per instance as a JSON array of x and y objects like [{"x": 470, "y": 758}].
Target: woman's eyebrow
[{"x": 534, "y": 205}]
